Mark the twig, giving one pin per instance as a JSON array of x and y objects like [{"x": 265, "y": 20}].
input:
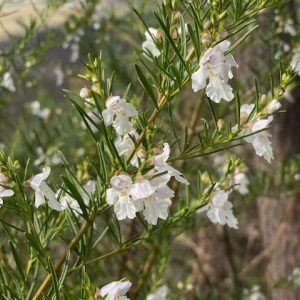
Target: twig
[
  {"x": 146, "y": 271},
  {"x": 229, "y": 252}
]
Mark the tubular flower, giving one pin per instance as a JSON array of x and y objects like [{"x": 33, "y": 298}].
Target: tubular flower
[
  {"x": 161, "y": 165},
  {"x": 219, "y": 210},
  {"x": 86, "y": 192},
  {"x": 8, "y": 82},
  {"x": 117, "y": 114},
  {"x": 255, "y": 133},
  {"x": 5, "y": 193},
  {"x": 115, "y": 290},
  {"x": 153, "y": 197},
  {"x": 124, "y": 145},
  {"x": 241, "y": 182},
  {"x": 43, "y": 191},
  {"x": 261, "y": 140},
  {"x": 160, "y": 294},
  {"x": 149, "y": 45},
  {"x": 119, "y": 196},
  {"x": 273, "y": 106},
  {"x": 215, "y": 67}
]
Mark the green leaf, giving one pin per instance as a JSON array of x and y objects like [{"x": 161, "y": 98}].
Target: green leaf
[
  {"x": 73, "y": 188},
  {"x": 17, "y": 259},
  {"x": 54, "y": 278},
  {"x": 168, "y": 36},
  {"x": 240, "y": 40},
  {"x": 238, "y": 109},
  {"x": 144, "y": 82}
]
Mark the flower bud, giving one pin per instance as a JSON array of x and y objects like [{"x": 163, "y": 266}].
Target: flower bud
[
  {"x": 281, "y": 92},
  {"x": 220, "y": 124},
  {"x": 223, "y": 33},
  {"x": 96, "y": 88},
  {"x": 263, "y": 100},
  {"x": 114, "y": 103},
  {"x": 3, "y": 178},
  {"x": 297, "y": 177},
  {"x": 206, "y": 39},
  {"x": 273, "y": 106},
  {"x": 141, "y": 153},
  {"x": 84, "y": 93},
  {"x": 205, "y": 178}
]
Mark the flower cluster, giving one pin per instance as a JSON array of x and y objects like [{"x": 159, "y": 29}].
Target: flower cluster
[{"x": 148, "y": 193}]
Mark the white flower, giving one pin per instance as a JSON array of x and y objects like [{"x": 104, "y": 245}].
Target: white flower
[
  {"x": 119, "y": 196},
  {"x": 124, "y": 146},
  {"x": 289, "y": 27},
  {"x": 241, "y": 183},
  {"x": 68, "y": 201},
  {"x": 92, "y": 121},
  {"x": 273, "y": 106},
  {"x": 220, "y": 209},
  {"x": 37, "y": 111},
  {"x": 55, "y": 159},
  {"x": 59, "y": 76},
  {"x": 3, "y": 178},
  {"x": 149, "y": 45},
  {"x": 41, "y": 156},
  {"x": 295, "y": 63},
  {"x": 161, "y": 165},
  {"x": 86, "y": 192},
  {"x": 84, "y": 93},
  {"x": 160, "y": 294},
  {"x": 116, "y": 290},
  {"x": 215, "y": 67},
  {"x": 8, "y": 83},
  {"x": 43, "y": 191},
  {"x": 246, "y": 110},
  {"x": 117, "y": 114},
  {"x": 5, "y": 193},
  {"x": 75, "y": 51},
  {"x": 153, "y": 197},
  {"x": 255, "y": 294},
  {"x": 186, "y": 30},
  {"x": 295, "y": 277},
  {"x": 261, "y": 140}
]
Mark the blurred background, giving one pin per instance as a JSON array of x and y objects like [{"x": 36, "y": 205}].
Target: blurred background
[{"x": 44, "y": 45}]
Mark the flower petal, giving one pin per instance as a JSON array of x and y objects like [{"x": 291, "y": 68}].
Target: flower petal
[
  {"x": 199, "y": 79},
  {"x": 124, "y": 208},
  {"x": 217, "y": 89}
]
